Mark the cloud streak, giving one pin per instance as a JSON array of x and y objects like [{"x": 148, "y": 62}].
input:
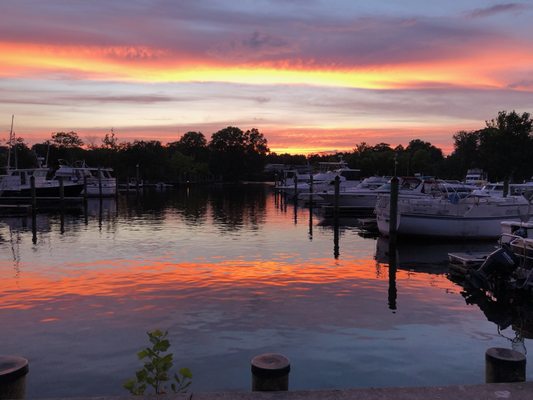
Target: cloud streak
[{"x": 307, "y": 74}]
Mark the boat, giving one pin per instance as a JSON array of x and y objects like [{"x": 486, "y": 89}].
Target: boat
[
  {"x": 100, "y": 181},
  {"x": 515, "y": 189},
  {"x": 504, "y": 274},
  {"x": 294, "y": 182},
  {"x": 452, "y": 214},
  {"x": 17, "y": 183}
]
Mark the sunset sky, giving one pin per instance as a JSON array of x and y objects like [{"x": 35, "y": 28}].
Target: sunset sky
[{"x": 311, "y": 75}]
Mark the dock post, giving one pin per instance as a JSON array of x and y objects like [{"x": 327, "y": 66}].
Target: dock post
[
  {"x": 270, "y": 372},
  {"x": 505, "y": 187},
  {"x": 311, "y": 188},
  {"x": 337, "y": 185},
  {"x": 61, "y": 191},
  {"x": 504, "y": 365},
  {"x": 33, "y": 210},
  {"x": 13, "y": 371},
  {"x": 336, "y": 218},
  {"x": 393, "y": 213},
  {"x": 295, "y": 188},
  {"x": 33, "y": 195},
  {"x": 100, "y": 191},
  {"x": 137, "y": 178}
]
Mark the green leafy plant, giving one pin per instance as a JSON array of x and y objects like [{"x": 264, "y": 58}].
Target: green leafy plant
[{"x": 156, "y": 369}]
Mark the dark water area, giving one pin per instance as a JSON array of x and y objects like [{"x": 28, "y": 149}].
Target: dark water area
[{"x": 232, "y": 272}]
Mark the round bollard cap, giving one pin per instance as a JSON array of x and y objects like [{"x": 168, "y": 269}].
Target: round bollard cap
[
  {"x": 12, "y": 368},
  {"x": 501, "y": 353},
  {"x": 270, "y": 364}
]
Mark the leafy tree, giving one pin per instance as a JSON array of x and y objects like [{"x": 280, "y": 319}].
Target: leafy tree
[
  {"x": 110, "y": 141},
  {"x": 193, "y": 144},
  {"x": 236, "y": 154},
  {"x": 506, "y": 145},
  {"x": 67, "y": 139}
]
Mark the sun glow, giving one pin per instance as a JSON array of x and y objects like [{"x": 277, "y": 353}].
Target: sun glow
[{"x": 155, "y": 65}]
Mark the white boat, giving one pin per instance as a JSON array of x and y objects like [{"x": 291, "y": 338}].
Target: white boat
[
  {"x": 365, "y": 195},
  {"x": 514, "y": 189},
  {"x": 17, "y": 183},
  {"x": 322, "y": 181},
  {"x": 100, "y": 181},
  {"x": 453, "y": 215}
]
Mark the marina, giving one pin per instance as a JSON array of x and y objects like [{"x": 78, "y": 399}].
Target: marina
[{"x": 231, "y": 272}]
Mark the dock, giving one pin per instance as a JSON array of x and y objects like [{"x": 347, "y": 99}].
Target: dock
[
  {"x": 48, "y": 203},
  {"x": 514, "y": 391},
  {"x": 461, "y": 263}
]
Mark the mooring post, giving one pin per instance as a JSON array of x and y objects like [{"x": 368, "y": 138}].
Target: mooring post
[
  {"x": 337, "y": 184},
  {"x": 393, "y": 212},
  {"x": 85, "y": 194},
  {"x": 504, "y": 365},
  {"x": 33, "y": 195},
  {"x": 100, "y": 190},
  {"x": 505, "y": 187},
  {"x": 137, "y": 178},
  {"x": 33, "y": 210},
  {"x": 61, "y": 192},
  {"x": 311, "y": 188},
  {"x": 270, "y": 372},
  {"x": 295, "y": 188},
  {"x": 13, "y": 372}
]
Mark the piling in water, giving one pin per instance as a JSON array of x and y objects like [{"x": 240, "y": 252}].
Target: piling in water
[
  {"x": 393, "y": 212},
  {"x": 13, "y": 372},
  {"x": 100, "y": 191},
  {"x": 270, "y": 372},
  {"x": 504, "y": 365}
]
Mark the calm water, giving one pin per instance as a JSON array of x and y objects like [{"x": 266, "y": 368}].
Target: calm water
[{"x": 231, "y": 273}]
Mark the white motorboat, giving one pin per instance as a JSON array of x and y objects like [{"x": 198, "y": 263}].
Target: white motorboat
[
  {"x": 17, "y": 183},
  {"x": 453, "y": 215},
  {"x": 320, "y": 182},
  {"x": 100, "y": 181},
  {"x": 515, "y": 189},
  {"x": 365, "y": 195}
]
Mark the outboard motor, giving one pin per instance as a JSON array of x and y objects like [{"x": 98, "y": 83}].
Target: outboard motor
[{"x": 499, "y": 264}]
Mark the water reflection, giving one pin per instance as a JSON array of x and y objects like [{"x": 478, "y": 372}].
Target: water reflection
[
  {"x": 230, "y": 275},
  {"x": 426, "y": 256}
]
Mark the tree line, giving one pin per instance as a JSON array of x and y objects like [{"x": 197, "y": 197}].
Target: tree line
[{"x": 501, "y": 148}]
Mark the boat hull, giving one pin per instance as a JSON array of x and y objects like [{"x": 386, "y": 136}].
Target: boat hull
[
  {"x": 47, "y": 191},
  {"x": 444, "y": 226}
]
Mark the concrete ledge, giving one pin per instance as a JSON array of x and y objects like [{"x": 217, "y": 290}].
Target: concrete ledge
[{"x": 513, "y": 391}]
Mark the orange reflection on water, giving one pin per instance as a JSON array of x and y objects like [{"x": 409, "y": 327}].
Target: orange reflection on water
[{"x": 125, "y": 280}]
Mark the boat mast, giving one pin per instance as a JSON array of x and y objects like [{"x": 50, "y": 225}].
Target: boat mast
[{"x": 10, "y": 143}]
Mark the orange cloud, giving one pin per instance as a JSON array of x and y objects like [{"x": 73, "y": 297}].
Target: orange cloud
[{"x": 142, "y": 63}]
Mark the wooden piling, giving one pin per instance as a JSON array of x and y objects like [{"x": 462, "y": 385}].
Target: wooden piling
[
  {"x": 100, "y": 190},
  {"x": 311, "y": 188},
  {"x": 33, "y": 195},
  {"x": 137, "y": 178},
  {"x": 504, "y": 365},
  {"x": 505, "y": 187},
  {"x": 61, "y": 192},
  {"x": 393, "y": 212},
  {"x": 337, "y": 185},
  {"x": 270, "y": 372},
  {"x": 13, "y": 371}
]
